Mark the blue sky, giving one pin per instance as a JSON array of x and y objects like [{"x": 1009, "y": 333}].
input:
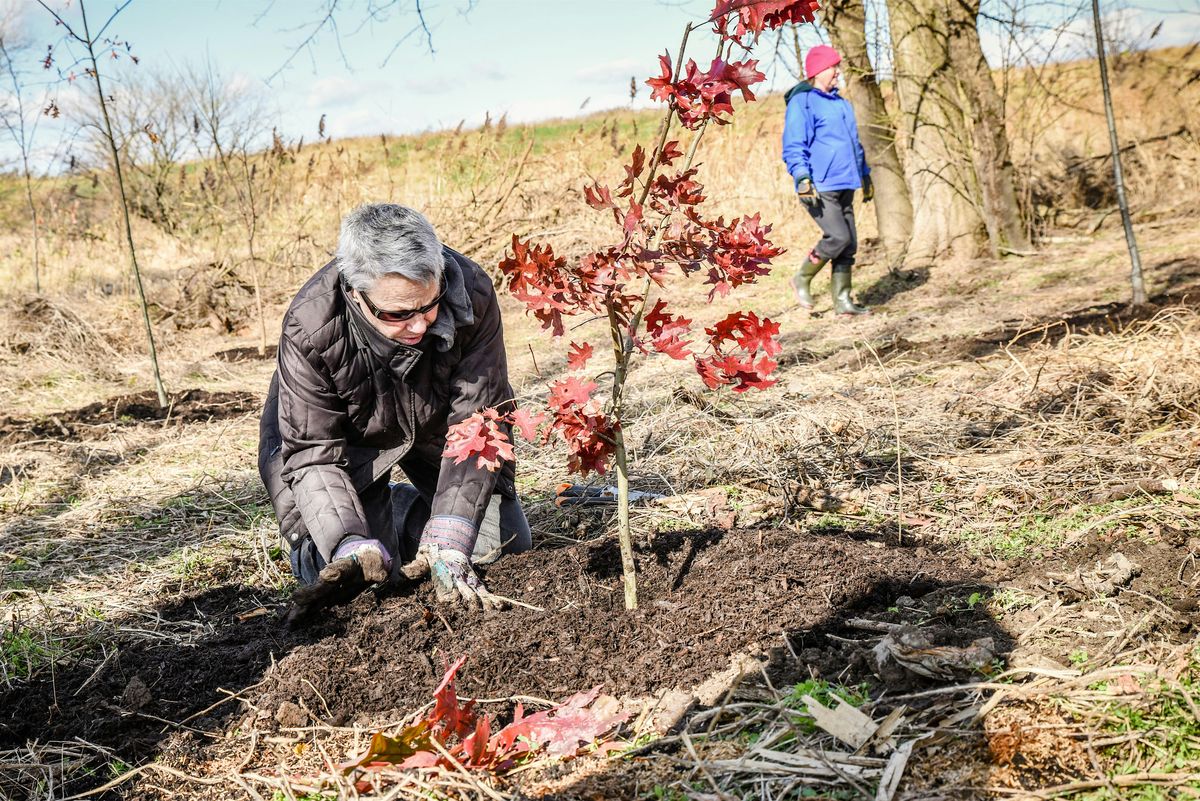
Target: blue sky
[{"x": 529, "y": 59}]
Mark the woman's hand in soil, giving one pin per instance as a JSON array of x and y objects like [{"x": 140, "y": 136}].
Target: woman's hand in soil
[
  {"x": 453, "y": 577},
  {"x": 355, "y": 565}
]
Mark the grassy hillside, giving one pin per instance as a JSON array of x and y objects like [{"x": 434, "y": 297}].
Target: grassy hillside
[{"x": 970, "y": 516}]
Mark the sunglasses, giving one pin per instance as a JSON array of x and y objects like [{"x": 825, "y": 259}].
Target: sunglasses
[{"x": 403, "y": 315}]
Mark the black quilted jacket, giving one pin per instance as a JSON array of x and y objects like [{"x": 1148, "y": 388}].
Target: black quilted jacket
[{"x": 347, "y": 404}]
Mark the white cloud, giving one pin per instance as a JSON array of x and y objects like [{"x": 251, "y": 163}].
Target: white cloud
[
  {"x": 417, "y": 87},
  {"x": 616, "y": 71},
  {"x": 489, "y": 72},
  {"x": 341, "y": 91}
]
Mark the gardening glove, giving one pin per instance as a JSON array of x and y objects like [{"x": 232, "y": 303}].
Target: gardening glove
[
  {"x": 868, "y": 189},
  {"x": 444, "y": 554},
  {"x": 806, "y": 192},
  {"x": 356, "y": 563}
]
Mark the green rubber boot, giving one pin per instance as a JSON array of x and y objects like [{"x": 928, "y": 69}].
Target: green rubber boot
[
  {"x": 843, "y": 304},
  {"x": 803, "y": 278}
]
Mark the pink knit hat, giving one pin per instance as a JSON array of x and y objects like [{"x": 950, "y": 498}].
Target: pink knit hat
[{"x": 819, "y": 58}]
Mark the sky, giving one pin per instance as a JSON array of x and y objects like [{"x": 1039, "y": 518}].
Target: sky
[{"x": 527, "y": 59}]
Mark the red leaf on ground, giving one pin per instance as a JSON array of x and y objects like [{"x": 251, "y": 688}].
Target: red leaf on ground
[{"x": 563, "y": 729}]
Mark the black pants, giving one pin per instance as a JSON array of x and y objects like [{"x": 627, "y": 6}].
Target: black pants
[
  {"x": 504, "y": 531},
  {"x": 834, "y": 213}
]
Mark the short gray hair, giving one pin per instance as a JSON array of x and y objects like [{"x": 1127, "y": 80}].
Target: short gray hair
[{"x": 379, "y": 239}]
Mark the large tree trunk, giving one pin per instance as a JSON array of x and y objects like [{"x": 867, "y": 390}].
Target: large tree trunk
[
  {"x": 938, "y": 154},
  {"x": 993, "y": 164},
  {"x": 845, "y": 20}
]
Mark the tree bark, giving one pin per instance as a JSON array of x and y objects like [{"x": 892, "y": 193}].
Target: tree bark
[
  {"x": 937, "y": 163},
  {"x": 845, "y": 20},
  {"x": 991, "y": 156}
]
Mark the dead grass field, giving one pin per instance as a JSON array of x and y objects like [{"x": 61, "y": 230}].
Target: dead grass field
[{"x": 991, "y": 439}]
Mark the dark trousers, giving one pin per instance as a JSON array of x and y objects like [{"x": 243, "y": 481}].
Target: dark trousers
[
  {"x": 504, "y": 531},
  {"x": 834, "y": 214}
]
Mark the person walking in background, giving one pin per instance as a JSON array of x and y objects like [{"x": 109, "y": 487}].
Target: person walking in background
[{"x": 827, "y": 164}]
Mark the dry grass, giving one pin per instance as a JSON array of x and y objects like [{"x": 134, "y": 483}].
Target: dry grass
[{"x": 916, "y": 424}]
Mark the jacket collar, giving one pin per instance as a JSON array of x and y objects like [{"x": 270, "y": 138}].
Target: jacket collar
[{"x": 454, "y": 312}]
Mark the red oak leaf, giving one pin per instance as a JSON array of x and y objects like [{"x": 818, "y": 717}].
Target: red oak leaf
[
  {"x": 662, "y": 86},
  {"x": 526, "y": 423},
  {"x": 632, "y": 217},
  {"x": 742, "y": 74},
  {"x": 570, "y": 392},
  {"x": 748, "y": 332},
  {"x": 742, "y": 372},
  {"x": 545, "y": 285},
  {"x": 599, "y": 197},
  {"x": 578, "y": 355},
  {"x": 633, "y": 170},
  {"x": 447, "y": 717},
  {"x": 563, "y": 729},
  {"x": 755, "y": 16},
  {"x": 479, "y": 437},
  {"x": 676, "y": 191},
  {"x": 666, "y": 332},
  {"x": 670, "y": 151}
]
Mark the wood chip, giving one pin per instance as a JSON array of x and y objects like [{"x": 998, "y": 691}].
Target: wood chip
[{"x": 845, "y": 722}]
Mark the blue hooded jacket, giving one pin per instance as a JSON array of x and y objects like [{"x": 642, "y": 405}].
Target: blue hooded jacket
[{"x": 820, "y": 139}]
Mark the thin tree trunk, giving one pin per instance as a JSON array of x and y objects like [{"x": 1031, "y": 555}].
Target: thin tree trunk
[
  {"x": 1135, "y": 259},
  {"x": 990, "y": 151},
  {"x": 24, "y": 142},
  {"x": 112, "y": 142},
  {"x": 846, "y": 22},
  {"x": 37, "y": 240},
  {"x": 936, "y": 161},
  {"x": 624, "y": 534}
]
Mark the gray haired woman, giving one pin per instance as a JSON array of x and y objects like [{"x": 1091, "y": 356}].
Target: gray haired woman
[{"x": 395, "y": 340}]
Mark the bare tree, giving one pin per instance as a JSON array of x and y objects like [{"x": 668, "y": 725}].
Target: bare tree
[
  {"x": 846, "y": 20},
  {"x": 152, "y": 128},
  {"x": 332, "y": 16},
  {"x": 22, "y": 128},
  {"x": 959, "y": 169},
  {"x": 945, "y": 219},
  {"x": 228, "y": 125},
  {"x": 90, "y": 42},
  {"x": 1135, "y": 258},
  {"x": 989, "y": 140}
]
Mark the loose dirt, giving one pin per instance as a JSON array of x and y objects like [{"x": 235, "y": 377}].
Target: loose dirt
[
  {"x": 97, "y": 420},
  {"x": 705, "y": 597}
]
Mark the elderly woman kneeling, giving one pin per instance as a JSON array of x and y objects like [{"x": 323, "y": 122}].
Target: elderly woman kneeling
[{"x": 386, "y": 347}]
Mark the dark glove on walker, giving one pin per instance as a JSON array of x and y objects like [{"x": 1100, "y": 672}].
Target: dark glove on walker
[
  {"x": 868, "y": 189},
  {"x": 806, "y": 191},
  {"x": 445, "y": 555}
]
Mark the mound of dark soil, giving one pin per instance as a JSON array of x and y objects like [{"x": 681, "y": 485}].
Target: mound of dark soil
[
  {"x": 705, "y": 596},
  {"x": 99, "y": 419}
]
